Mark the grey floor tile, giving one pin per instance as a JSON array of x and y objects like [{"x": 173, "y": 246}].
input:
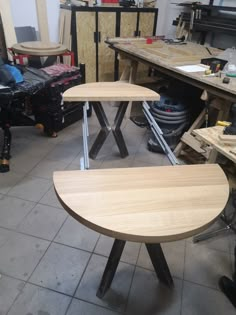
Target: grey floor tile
[
  {"x": 137, "y": 163},
  {"x": 40, "y": 150},
  {"x": 43, "y": 221},
  {"x": 204, "y": 266},
  {"x": 39, "y": 301},
  {"x": 232, "y": 242},
  {"x": 201, "y": 300},
  {"x": 64, "y": 152},
  {"x": 9, "y": 289},
  {"x": 9, "y": 180},
  {"x": 129, "y": 255},
  {"x": 116, "y": 296},
  {"x": 51, "y": 199},
  {"x": 61, "y": 268},
  {"x": 93, "y": 164},
  {"x": 13, "y": 211},
  {"x": 144, "y": 155},
  {"x": 23, "y": 164},
  {"x": 5, "y": 235},
  {"x": 77, "y": 235},
  {"x": 46, "y": 168},
  {"x": 31, "y": 188},
  {"x": 174, "y": 254},
  {"x": 84, "y": 308},
  {"x": 20, "y": 255},
  {"x": 149, "y": 296},
  {"x": 115, "y": 161}
]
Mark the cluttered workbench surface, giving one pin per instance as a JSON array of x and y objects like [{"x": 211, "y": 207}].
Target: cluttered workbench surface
[{"x": 179, "y": 60}]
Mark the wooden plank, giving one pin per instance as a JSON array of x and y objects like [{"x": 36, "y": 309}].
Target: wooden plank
[
  {"x": 41, "y": 8},
  {"x": 106, "y": 56},
  {"x": 211, "y": 137},
  {"x": 191, "y": 141},
  {"x": 86, "y": 44},
  {"x": 228, "y": 139},
  {"x": 8, "y": 25},
  {"x": 109, "y": 91}
]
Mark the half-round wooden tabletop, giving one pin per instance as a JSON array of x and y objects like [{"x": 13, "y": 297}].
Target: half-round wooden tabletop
[
  {"x": 38, "y": 48},
  {"x": 146, "y": 204},
  {"x": 109, "y": 91}
]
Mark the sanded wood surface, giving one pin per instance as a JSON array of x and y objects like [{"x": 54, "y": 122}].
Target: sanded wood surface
[
  {"x": 146, "y": 204},
  {"x": 39, "y": 48},
  {"x": 8, "y": 26},
  {"x": 168, "y": 63},
  {"x": 106, "y": 56},
  {"x": 109, "y": 91},
  {"x": 41, "y": 8},
  {"x": 211, "y": 137},
  {"x": 85, "y": 27}
]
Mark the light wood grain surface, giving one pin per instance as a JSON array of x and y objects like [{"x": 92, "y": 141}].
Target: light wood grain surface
[
  {"x": 171, "y": 60},
  {"x": 39, "y": 48},
  {"x": 109, "y": 91},
  {"x": 147, "y": 204},
  {"x": 211, "y": 136}
]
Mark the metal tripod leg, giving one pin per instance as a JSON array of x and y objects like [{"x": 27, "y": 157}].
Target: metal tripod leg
[{"x": 229, "y": 226}]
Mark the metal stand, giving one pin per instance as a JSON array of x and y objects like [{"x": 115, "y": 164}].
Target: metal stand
[
  {"x": 229, "y": 226},
  {"x": 157, "y": 257},
  {"x": 106, "y": 129},
  {"x": 84, "y": 161},
  {"x": 159, "y": 134}
]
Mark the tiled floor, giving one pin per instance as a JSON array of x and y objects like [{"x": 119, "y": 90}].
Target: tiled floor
[{"x": 51, "y": 265}]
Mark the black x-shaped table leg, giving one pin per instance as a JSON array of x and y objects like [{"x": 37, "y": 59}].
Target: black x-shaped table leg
[
  {"x": 157, "y": 258},
  {"x": 106, "y": 129}
]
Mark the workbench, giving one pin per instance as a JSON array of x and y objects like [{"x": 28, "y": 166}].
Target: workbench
[
  {"x": 165, "y": 58},
  {"x": 210, "y": 136}
]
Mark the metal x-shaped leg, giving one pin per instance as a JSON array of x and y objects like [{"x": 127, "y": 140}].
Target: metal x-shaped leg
[{"x": 106, "y": 129}]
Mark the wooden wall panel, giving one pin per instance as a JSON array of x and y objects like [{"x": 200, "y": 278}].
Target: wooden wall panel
[
  {"x": 128, "y": 22},
  {"x": 8, "y": 26},
  {"x": 85, "y": 22},
  {"x": 146, "y": 23},
  {"x": 41, "y": 8},
  {"x": 106, "y": 56}
]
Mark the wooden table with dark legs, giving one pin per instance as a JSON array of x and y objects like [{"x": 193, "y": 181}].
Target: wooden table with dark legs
[
  {"x": 106, "y": 128},
  {"x": 98, "y": 92},
  {"x": 150, "y": 205}
]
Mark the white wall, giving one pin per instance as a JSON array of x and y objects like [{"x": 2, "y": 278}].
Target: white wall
[{"x": 24, "y": 14}]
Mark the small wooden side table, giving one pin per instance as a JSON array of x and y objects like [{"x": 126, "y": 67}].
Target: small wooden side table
[{"x": 147, "y": 204}]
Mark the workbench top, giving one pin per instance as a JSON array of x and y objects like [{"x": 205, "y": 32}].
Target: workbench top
[{"x": 167, "y": 58}]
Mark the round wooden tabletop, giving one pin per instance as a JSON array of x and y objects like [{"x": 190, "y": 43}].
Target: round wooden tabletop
[
  {"x": 109, "y": 91},
  {"x": 39, "y": 48},
  {"x": 147, "y": 204}
]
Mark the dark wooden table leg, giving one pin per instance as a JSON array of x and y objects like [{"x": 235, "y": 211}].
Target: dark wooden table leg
[
  {"x": 116, "y": 129},
  {"x": 111, "y": 267},
  {"x": 160, "y": 264},
  {"x": 104, "y": 132}
]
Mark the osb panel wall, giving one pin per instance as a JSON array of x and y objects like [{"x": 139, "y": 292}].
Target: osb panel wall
[
  {"x": 128, "y": 22},
  {"x": 85, "y": 22},
  {"x": 146, "y": 24},
  {"x": 106, "y": 27}
]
